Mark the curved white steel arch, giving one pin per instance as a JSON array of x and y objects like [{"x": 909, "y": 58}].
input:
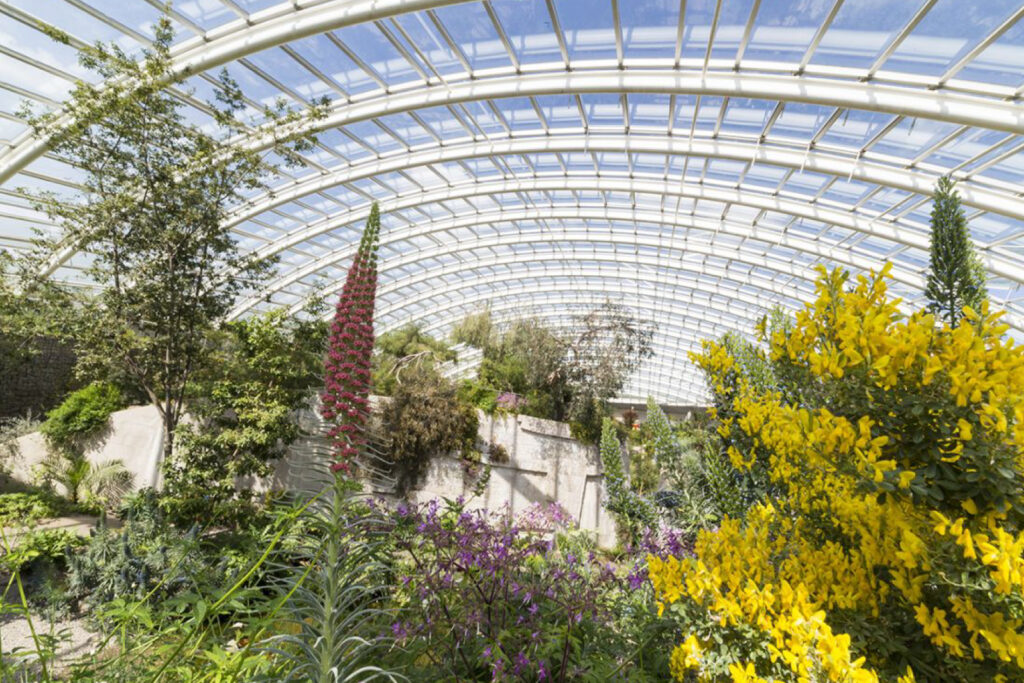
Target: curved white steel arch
[
  {"x": 749, "y": 197},
  {"x": 577, "y": 274},
  {"x": 277, "y": 25},
  {"x": 741, "y": 310},
  {"x": 613, "y": 213},
  {"x": 537, "y": 142},
  {"x": 937, "y": 105},
  {"x": 558, "y": 257}
]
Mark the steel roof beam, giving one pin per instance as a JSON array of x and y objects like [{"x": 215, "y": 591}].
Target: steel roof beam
[
  {"x": 541, "y": 142},
  {"x": 939, "y": 105},
  {"x": 612, "y": 214},
  {"x": 744, "y": 197}
]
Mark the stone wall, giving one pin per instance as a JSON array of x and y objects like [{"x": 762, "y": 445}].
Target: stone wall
[
  {"x": 40, "y": 382},
  {"x": 545, "y": 464},
  {"x": 135, "y": 437}
]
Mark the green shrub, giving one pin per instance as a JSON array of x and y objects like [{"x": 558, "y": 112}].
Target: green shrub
[
  {"x": 83, "y": 414},
  {"x": 24, "y": 508},
  {"x": 146, "y": 554},
  {"x": 425, "y": 418},
  {"x": 44, "y": 545}
]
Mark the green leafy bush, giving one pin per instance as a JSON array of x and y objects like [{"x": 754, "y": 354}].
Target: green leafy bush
[
  {"x": 27, "y": 507},
  {"x": 244, "y": 414},
  {"x": 44, "y": 545},
  {"x": 633, "y": 513},
  {"x": 425, "y": 418},
  {"x": 83, "y": 414},
  {"x": 397, "y": 351},
  {"x": 147, "y": 554}
]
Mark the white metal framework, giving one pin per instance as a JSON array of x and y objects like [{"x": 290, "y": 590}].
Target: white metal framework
[{"x": 692, "y": 160}]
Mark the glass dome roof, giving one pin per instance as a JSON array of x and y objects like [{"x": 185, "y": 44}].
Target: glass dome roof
[{"x": 691, "y": 160}]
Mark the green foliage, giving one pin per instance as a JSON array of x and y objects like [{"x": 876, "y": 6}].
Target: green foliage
[
  {"x": 30, "y": 308},
  {"x": 100, "y": 484},
  {"x": 477, "y": 330},
  {"x": 398, "y": 350},
  {"x": 633, "y": 513},
  {"x": 475, "y": 393},
  {"x": 83, "y": 415},
  {"x": 753, "y": 367},
  {"x": 40, "y": 546},
  {"x": 26, "y": 508},
  {"x": 243, "y": 409},
  {"x": 156, "y": 190},
  {"x": 331, "y": 621},
  {"x": 956, "y": 277},
  {"x": 423, "y": 419},
  {"x": 566, "y": 376},
  {"x": 146, "y": 554}
]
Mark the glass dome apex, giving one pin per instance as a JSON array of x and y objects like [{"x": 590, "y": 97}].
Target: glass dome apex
[{"x": 690, "y": 160}]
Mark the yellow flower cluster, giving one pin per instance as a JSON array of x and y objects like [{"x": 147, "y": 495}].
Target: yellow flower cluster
[{"x": 862, "y": 524}]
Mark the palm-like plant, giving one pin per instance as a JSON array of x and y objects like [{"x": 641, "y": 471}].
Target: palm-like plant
[{"x": 105, "y": 481}]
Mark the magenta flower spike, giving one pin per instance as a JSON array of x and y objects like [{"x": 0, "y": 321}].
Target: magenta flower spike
[{"x": 345, "y": 402}]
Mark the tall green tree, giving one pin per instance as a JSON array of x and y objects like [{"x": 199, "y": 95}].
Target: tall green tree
[
  {"x": 156, "y": 191},
  {"x": 956, "y": 277},
  {"x": 242, "y": 411},
  {"x": 407, "y": 348}
]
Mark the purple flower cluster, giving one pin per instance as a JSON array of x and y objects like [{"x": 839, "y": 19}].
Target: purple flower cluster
[
  {"x": 545, "y": 518},
  {"x": 509, "y": 401},
  {"x": 490, "y": 600},
  {"x": 346, "y": 398},
  {"x": 663, "y": 542}
]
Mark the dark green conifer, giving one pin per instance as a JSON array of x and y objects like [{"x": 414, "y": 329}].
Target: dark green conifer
[{"x": 956, "y": 277}]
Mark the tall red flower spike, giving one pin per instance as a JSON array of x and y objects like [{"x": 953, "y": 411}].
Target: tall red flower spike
[{"x": 345, "y": 402}]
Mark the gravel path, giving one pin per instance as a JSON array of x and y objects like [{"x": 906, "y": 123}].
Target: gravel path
[{"x": 75, "y": 640}]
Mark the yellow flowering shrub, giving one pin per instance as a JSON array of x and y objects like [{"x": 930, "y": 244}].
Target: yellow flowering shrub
[{"x": 890, "y": 544}]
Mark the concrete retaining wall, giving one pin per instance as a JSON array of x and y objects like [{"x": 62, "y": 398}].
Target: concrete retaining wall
[
  {"x": 545, "y": 464},
  {"x": 134, "y": 437}
]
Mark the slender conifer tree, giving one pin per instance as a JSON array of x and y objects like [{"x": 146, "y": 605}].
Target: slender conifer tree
[{"x": 956, "y": 277}]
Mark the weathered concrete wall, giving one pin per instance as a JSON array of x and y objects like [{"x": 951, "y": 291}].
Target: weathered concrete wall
[
  {"x": 134, "y": 437},
  {"x": 545, "y": 464}
]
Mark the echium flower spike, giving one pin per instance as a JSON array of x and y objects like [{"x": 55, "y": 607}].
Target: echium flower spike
[{"x": 345, "y": 404}]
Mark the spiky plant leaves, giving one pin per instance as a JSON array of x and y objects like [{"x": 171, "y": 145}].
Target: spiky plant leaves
[
  {"x": 956, "y": 277},
  {"x": 633, "y": 513},
  {"x": 332, "y": 585}
]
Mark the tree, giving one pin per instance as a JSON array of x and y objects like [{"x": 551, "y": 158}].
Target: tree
[
  {"x": 157, "y": 190},
  {"x": 561, "y": 375},
  {"x": 424, "y": 418},
  {"x": 608, "y": 345},
  {"x": 30, "y": 308},
  {"x": 956, "y": 277},
  {"x": 242, "y": 410},
  {"x": 346, "y": 397},
  {"x": 406, "y": 348}
]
